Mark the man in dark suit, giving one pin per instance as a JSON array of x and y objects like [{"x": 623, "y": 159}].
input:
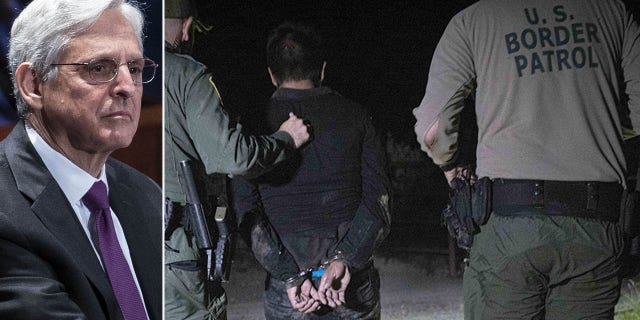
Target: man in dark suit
[{"x": 80, "y": 233}]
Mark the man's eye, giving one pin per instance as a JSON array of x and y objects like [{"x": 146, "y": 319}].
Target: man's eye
[
  {"x": 100, "y": 67},
  {"x": 135, "y": 69}
]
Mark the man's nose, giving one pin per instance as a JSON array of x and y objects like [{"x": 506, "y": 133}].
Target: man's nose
[{"x": 125, "y": 84}]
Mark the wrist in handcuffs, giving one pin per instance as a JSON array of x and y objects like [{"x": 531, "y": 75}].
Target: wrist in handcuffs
[
  {"x": 338, "y": 256},
  {"x": 308, "y": 273},
  {"x": 298, "y": 279}
]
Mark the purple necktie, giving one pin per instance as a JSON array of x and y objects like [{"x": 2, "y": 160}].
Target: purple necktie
[{"x": 124, "y": 287}]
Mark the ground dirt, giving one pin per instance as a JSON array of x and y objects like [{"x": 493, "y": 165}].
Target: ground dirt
[{"x": 413, "y": 286}]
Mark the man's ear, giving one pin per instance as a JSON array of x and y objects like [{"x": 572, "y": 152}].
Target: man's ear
[
  {"x": 186, "y": 24},
  {"x": 29, "y": 85},
  {"x": 273, "y": 79}
]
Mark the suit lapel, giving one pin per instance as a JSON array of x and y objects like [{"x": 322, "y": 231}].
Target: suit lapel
[
  {"x": 52, "y": 207},
  {"x": 64, "y": 225},
  {"x": 143, "y": 245}
]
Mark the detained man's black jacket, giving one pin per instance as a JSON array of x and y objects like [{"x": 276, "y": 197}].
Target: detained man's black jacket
[{"x": 333, "y": 196}]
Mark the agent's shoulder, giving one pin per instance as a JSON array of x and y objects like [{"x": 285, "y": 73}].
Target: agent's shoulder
[{"x": 177, "y": 61}]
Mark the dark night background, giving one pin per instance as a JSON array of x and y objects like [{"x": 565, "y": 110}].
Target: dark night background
[{"x": 378, "y": 52}]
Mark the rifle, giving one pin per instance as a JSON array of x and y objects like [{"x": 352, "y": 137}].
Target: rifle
[
  {"x": 218, "y": 267},
  {"x": 196, "y": 217}
]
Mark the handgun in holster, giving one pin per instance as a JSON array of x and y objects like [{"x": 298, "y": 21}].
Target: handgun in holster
[
  {"x": 630, "y": 208},
  {"x": 218, "y": 258},
  {"x": 469, "y": 207},
  {"x": 630, "y": 205}
]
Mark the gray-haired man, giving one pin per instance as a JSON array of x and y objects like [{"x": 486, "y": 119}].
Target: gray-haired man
[{"x": 79, "y": 231}]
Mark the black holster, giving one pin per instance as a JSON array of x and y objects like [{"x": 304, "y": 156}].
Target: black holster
[
  {"x": 630, "y": 207},
  {"x": 630, "y": 213},
  {"x": 468, "y": 210}
]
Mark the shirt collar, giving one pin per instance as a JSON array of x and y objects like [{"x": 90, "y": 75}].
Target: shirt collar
[{"x": 73, "y": 181}]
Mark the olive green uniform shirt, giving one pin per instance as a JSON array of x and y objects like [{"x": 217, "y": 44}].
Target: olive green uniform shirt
[{"x": 198, "y": 129}]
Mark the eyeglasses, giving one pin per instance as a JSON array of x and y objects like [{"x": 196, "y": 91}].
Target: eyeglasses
[{"x": 104, "y": 70}]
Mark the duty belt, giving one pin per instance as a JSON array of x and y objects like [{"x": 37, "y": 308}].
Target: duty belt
[{"x": 587, "y": 199}]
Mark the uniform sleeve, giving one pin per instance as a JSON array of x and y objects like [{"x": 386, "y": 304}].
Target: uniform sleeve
[
  {"x": 29, "y": 288},
  {"x": 451, "y": 80},
  {"x": 631, "y": 69},
  {"x": 372, "y": 221},
  {"x": 258, "y": 233},
  {"x": 224, "y": 149}
]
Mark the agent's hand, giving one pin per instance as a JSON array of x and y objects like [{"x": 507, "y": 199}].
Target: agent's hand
[
  {"x": 304, "y": 297},
  {"x": 333, "y": 284},
  {"x": 458, "y": 172},
  {"x": 297, "y": 129},
  {"x": 451, "y": 174}
]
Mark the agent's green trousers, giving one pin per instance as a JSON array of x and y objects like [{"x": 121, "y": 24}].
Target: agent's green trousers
[
  {"x": 532, "y": 266},
  {"x": 184, "y": 283}
]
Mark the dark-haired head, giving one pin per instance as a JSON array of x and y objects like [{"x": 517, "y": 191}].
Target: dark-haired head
[{"x": 294, "y": 53}]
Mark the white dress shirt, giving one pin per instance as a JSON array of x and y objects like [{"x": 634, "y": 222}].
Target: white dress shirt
[{"x": 75, "y": 183}]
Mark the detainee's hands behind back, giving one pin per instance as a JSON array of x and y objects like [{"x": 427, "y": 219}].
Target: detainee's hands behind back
[
  {"x": 297, "y": 129},
  {"x": 304, "y": 297},
  {"x": 333, "y": 284}
]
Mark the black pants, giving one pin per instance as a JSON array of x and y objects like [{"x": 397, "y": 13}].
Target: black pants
[{"x": 362, "y": 299}]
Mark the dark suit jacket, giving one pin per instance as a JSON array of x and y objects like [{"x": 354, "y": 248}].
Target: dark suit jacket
[{"x": 48, "y": 269}]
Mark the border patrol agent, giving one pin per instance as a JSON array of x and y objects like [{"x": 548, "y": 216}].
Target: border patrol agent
[
  {"x": 557, "y": 88},
  {"x": 199, "y": 130}
]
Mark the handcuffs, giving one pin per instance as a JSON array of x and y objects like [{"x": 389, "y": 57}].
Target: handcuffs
[{"x": 314, "y": 273}]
